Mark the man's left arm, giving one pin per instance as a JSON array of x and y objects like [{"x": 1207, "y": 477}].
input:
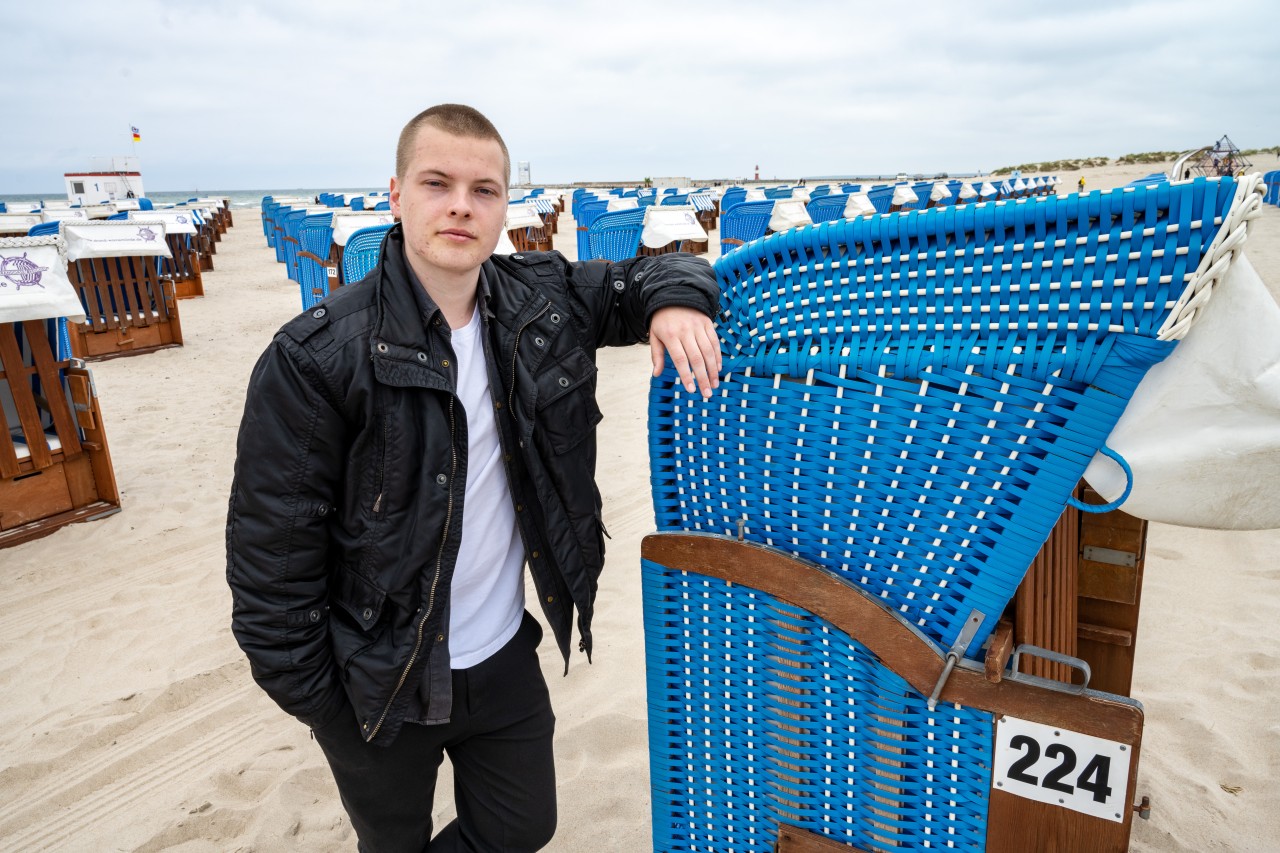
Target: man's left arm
[{"x": 669, "y": 300}]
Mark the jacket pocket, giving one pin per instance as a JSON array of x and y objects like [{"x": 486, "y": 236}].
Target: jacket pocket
[
  {"x": 359, "y": 598},
  {"x": 567, "y": 409}
]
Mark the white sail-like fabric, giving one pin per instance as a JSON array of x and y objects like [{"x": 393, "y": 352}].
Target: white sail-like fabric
[
  {"x": 132, "y": 238},
  {"x": 347, "y": 222},
  {"x": 859, "y": 204},
  {"x": 789, "y": 213},
  {"x": 175, "y": 221},
  {"x": 33, "y": 281},
  {"x": 663, "y": 225}
]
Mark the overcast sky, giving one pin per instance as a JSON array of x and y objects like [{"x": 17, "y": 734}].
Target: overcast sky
[{"x": 312, "y": 93}]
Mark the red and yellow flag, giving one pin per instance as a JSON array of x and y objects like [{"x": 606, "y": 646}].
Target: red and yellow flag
[{"x": 137, "y": 137}]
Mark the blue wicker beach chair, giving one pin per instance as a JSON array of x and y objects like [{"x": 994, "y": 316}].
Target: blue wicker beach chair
[
  {"x": 44, "y": 229},
  {"x": 362, "y": 252},
  {"x": 732, "y": 196},
  {"x": 906, "y": 407},
  {"x": 615, "y": 236},
  {"x": 588, "y": 212},
  {"x": 827, "y": 207},
  {"x": 742, "y": 223},
  {"x": 315, "y": 237},
  {"x": 1272, "y": 180}
]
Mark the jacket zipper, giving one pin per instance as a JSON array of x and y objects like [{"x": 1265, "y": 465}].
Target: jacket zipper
[
  {"x": 511, "y": 394},
  {"x": 431, "y": 595}
]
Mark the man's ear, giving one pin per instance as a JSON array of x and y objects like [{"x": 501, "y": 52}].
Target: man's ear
[{"x": 395, "y": 197}]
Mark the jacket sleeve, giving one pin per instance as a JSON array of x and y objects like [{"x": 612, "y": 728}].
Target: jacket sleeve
[
  {"x": 288, "y": 471},
  {"x": 619, "y": 299}
]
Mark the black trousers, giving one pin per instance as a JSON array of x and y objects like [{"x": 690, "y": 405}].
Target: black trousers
[{"x": 499, "y": 742}]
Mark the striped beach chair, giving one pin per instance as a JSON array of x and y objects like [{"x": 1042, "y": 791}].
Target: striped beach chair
[{"x": 907, "y": 405}]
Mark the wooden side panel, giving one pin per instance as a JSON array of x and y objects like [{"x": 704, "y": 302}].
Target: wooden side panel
[
  {"x": 793, "y": 839},
  {"x": 1045, "y": 605},
  {"x": 1110, "y": 595}
]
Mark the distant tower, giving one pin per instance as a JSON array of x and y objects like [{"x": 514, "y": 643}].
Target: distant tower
[
  {"x": 523, "y": 168},
  {"x": 757, "y": 171}
]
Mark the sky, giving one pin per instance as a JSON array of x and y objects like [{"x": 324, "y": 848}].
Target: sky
[{"x": 235, "y": 95}]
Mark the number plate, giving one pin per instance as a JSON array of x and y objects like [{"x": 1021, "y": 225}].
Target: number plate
[{"x": 1062, "y": 768}]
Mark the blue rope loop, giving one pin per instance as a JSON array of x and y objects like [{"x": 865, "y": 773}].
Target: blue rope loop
[{"x": 1115, "y": 504}]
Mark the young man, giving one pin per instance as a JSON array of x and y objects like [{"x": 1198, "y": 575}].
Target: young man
[{"x": 407, "y": 447}]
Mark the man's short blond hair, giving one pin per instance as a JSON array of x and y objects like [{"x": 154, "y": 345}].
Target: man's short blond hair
[{"x": 454, "y": 119}]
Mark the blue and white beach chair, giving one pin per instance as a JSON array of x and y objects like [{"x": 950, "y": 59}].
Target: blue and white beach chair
[{"x": 907, "y": 405}]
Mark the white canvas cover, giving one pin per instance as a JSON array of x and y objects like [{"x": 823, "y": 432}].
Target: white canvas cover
[
  {"x": 33, "y": 281},
  {"x": 967, "y": 191},
  {"x": 903, "y": 194},
  {"x": 939, "y": 192},
  {"x": 58, "y": 214},
  {"x": 347, "y": 222},
  {"x": 175, "y": 221},
  {"x": 788, "y": 213},
  {"x": 523, "y": 216},
  {"x": 18, "y": 223},
  {"x": 987, "y": 190},
  {"x": 754, "y": 195},
  {"x": 505, "y": 246},
  {"x": 668, "y": 223},
  {"x": 1019, "y": 185},
  {"x": 859, "y": 204},
  {"x": 1202, "y": 431},
  {"x": 801, "y": 193},
  {"x": 622, "y": 204},
  {"x": 131, "y": 238},
  {"x": 121, "y": 205}
]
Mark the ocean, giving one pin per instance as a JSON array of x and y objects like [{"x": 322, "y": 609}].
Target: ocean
[{"x": 239, "y": 198}]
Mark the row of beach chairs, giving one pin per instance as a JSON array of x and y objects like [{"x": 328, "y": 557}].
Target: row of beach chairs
[{"x": 87, "y": 289}]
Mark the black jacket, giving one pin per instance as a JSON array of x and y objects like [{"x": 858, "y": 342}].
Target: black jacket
[{"x": 345, "y": 510}]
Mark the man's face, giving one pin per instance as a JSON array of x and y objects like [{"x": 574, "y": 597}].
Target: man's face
[{"x": 452, "y": 201}]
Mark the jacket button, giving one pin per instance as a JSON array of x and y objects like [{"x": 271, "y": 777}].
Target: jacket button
[
  {"x": 550, "y": 599},
  {"x": 324, "y": 510},
  {"x": 519, "y": 507},
  {"x": 440, "y": 638},
  {"x": 422, "y": 356},
  {"x": 497, "y": 404},
  {"x": 435, "y": 322},
  {"x": 314, "y": 615},
  {"x": 534, "y": 555},
  {"x": 444, "y": 363},
  {"x": 564, "y": 383},
  {"x": 441, "y": 479},
  {"x": 538, "y": 341},
  {"x": 517, "y": 257},
  {"x": 318, "y": 313},
  {"x": 382, "y": 347},
  {"x": 619, "y": 286},
  {"x": 555, "y": 318},
  {"x": 368, "y": 613}
]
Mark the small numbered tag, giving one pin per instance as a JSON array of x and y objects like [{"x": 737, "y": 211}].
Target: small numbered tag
[
  {"x": 332, "y": 272},
  {"x": 1063, "y": 768}
]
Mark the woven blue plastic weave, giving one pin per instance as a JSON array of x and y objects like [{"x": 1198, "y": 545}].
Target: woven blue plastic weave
[
  {"x": 760, "y": 714},
  {"x": 315, "y": 235},
  {"x": 362, "y": 252},
  {"x": 614, "y": 235},
  {"x": 909, "y": 400}
]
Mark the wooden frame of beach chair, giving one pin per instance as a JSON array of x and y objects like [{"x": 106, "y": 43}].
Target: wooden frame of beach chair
[
  {"x": 1013, "y": 824},
  {"x": 1080, "y": 598},
  {"x": 65, "y": 476},
  {"x": 184, "y": 268},
  {"x": 103, "y": 284}
]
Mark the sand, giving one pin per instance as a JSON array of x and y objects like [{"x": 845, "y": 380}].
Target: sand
[{"x": 130, "y": 721}]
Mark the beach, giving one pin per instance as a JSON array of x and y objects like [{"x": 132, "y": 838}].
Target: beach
[{"x": 131, "y": 721}]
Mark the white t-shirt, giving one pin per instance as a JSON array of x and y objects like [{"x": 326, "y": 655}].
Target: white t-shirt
[{"x": 487, "y": 597}]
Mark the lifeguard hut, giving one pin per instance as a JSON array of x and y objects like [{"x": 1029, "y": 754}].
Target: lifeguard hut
[{"x": 121, "y": 179}]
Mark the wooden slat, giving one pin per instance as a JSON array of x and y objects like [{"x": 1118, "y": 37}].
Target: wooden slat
[
  {"x": 46, "y": 366},
  {"x": 18, "y": 376},
  {"x": 793, "y": 839}
]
